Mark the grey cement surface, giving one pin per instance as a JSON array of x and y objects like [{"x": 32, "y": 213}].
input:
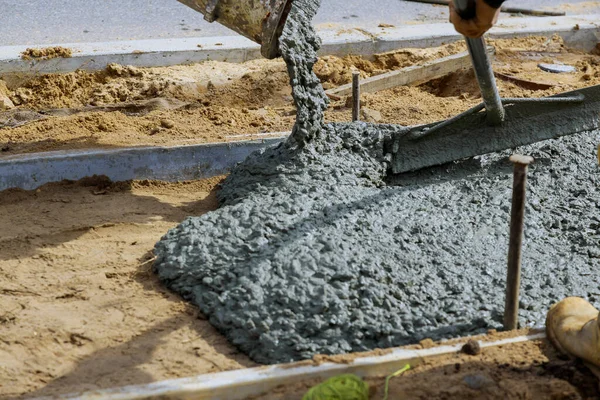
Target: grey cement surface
[
  {"x": 316, "y": 248},
  {"x": 76, "y": 21},
  {"x": 312, "y": 253}
]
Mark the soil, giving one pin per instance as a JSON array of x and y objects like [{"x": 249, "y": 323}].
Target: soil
[
  {"x": 80, "y": 308},
  {"x": 46, "y": 53},
  {"x": 517, "y": 371},
  {"x": 218, "y": 101}
]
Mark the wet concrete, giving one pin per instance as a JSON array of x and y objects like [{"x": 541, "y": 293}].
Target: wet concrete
[
  {"x": 298, "y": 44},
  {"x": 316, "y": 254},
  {"x": 317, "y": 249}
]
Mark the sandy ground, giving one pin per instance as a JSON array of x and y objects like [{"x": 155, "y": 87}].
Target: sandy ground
[
  {"x": 531, "y": 370},
  {"x": 215, "y": 101},
  {"x": 79, "y": 307}
]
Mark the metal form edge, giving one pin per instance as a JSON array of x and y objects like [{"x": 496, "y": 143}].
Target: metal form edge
[{"x": 178, "y": 163}]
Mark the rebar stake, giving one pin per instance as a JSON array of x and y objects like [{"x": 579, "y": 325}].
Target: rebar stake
[
  {"x": 513, "y": 278},
  {"x": 355, "y": 96}
]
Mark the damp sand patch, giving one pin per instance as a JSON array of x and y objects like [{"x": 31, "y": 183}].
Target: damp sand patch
[{"x": 319, "y": 251}]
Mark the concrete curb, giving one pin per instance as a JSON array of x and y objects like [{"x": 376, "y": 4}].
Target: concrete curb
[
  {"x": 178, "y": 163},
  {"x": 581, "y": 30}
]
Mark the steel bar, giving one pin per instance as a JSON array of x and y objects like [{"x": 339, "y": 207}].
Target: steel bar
[
  {"x": 483, "y": 67},
  {"x": 517, "y": 214},
  {"x": 355, "y": 96},
  {"x": 511, "y": 10}
]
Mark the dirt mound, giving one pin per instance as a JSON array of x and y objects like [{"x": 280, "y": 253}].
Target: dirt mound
[
  {"x": 195, "y": 123},
  {"x": 517, "y": 72},
  {"x": 218, "y": 101},
  {"x": 46, "y": 53},
  {"x": 114, "y": 84},
  {"x": 333, "y": 70},
  {"x": 219, "y": 83},
  {"x": 407, "y": 57}
]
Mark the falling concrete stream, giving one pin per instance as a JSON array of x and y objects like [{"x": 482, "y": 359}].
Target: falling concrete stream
[{"x": 317, "y": 249}]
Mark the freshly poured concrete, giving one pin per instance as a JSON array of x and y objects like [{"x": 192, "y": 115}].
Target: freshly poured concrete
[
  {"x": 316, "y": 249},
  {"x": 314, "y": 255}
]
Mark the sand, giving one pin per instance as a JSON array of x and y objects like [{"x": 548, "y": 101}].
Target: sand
[
  {"x": 46, "y": 53},
  {"x": 79, "y": 308},
  {"x": 579, "y": 7},
  {"x": 214, "y": 101},
  {"x": 57, "y": 357}
]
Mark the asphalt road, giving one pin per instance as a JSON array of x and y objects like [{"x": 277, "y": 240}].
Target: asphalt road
[{"x": 69, "y": 21}]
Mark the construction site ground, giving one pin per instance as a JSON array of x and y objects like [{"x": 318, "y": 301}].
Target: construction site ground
[
  {"x": 216, "y": 101},
  {"x": 80, "y": 306}
]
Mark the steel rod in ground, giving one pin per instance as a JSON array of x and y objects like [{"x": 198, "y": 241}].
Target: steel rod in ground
[
  {"x": 510, "y": 10},
  {"x": 517, "y": 214},
  {"x": 355, "y": 96}
]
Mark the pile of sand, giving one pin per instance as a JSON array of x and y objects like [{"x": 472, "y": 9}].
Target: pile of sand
[
  {"x": 217, "y": 101},
  {"x": 223, "y": 83},
  {"x": 46, "y": 53}
]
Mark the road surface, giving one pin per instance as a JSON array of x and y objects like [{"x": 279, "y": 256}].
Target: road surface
[{"x": 27, "y": 22}]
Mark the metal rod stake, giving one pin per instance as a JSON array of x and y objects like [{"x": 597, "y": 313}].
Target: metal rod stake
[
  {"x": 513, "y": 278},
  {"x": 355, "y": 96}
]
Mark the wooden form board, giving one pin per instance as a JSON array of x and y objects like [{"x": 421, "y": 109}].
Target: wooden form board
[{"x": 410, "y": 75}]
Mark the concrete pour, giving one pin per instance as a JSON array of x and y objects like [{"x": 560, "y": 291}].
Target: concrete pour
[{"x": 316, "y": 249}]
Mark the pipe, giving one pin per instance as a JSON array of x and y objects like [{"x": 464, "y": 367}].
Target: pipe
[
  {"x": 482, "y": 67},
  {"x": 355, "y": 96},
  {"x": 260, "y": 21}
]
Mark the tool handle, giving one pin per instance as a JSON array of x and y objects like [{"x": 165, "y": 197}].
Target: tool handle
[{"x": 465, "y": 8}]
